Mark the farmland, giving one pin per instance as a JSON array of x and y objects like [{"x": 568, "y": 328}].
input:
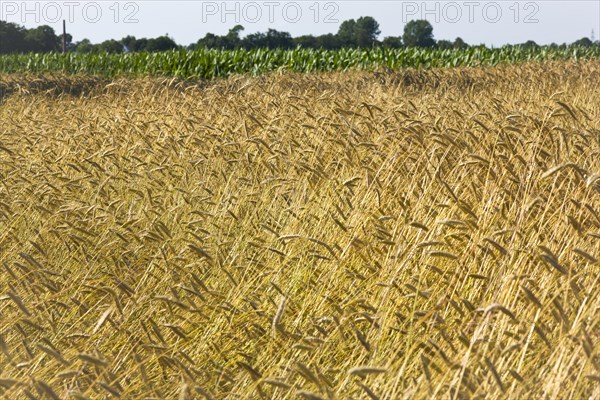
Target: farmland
[
  {"x": 215, "y": 63},
  {"x": 371, "y": 234}
]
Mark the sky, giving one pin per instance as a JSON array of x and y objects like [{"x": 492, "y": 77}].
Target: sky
[{"x": 493, "y": 23}]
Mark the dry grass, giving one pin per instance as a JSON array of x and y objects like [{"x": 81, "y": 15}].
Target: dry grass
[{"x": 334, "y": 236}]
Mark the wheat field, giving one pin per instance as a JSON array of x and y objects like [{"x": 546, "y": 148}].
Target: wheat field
[{"x": 357, "y": 235}]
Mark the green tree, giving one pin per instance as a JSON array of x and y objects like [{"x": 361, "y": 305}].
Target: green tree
[
  {"x": 392, "y": 42},
  {"x": 444, "y": 44},
  {"x": 12, "y": 38},
  {"x": 459, "y": 43},
  {"x": 211, "y": 41},
  {"x": 275, "y": 39},
  {"x": 272, "y": 39},
  {"x": 418, "y": 33},
  {"x": 130, "y": 42},
  {"x": 254, "y": 40},
  {"x": 85, "y": 46},
  {"x": 42, "y": 39},
  {"x": 110, "y": 46},
  {"x": 328, "y": 42},
  {"x": 141, "y": 44},
  {"x": 232, "y": 39},
  {"x": 360, "y": 33},
  {"x": 345, "y": 34},
  {"x": 530, "y": 44},
  {"x": 585, "y": 42},
  {"x": 366, "y": 31},
  {"x": 161, "y": 43},
  {"x": 306, "y": 41}
]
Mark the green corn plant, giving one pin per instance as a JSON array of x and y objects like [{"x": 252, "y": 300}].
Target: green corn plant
[{"x": 214, "y": 63}]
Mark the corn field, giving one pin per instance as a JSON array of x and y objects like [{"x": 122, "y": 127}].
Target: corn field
[
  {"x": 415, "y": 234},
  {"x": 211, "y": 63}
]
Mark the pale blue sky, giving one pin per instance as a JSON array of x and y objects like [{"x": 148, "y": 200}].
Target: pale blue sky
[{"x": 490, "y": 22}]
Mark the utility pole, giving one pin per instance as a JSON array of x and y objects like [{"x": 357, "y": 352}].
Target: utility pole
[{"x": 64, "y": 37}]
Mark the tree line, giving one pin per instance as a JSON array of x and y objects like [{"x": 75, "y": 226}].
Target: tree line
[{"x": 360, "y": 33}]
